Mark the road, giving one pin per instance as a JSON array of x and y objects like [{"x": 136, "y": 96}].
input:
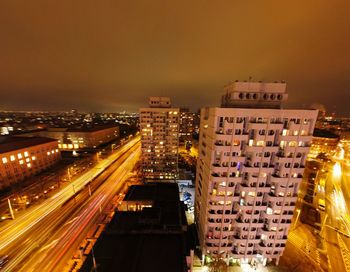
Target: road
[
  {"x": 332, "y": 185},
  {"x": 43, "y": 238}
]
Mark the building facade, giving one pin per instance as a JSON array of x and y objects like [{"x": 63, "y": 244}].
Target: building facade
[
  {"x": 159, "y": 126},
  {"x": 324, "y": 141},
  {"x": 22, "y": 157},
  {"x": 251, "y": 161},
  {"x": 186, "y": 125}
]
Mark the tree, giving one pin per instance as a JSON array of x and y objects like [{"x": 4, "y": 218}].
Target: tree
[{"x": 217, "y": 264}]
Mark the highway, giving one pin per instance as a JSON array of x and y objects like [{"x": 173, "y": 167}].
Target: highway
[
  {"x": 45, "y": 237},
  {"x": 332, "y": 241}
]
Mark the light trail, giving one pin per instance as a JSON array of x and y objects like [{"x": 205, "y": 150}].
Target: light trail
[{"x": 12, "y": 233}]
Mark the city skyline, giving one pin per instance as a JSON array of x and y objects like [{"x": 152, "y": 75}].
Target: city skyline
[
  {"x": 110, "y": 57},
  {"x": 182, "y": 136}
]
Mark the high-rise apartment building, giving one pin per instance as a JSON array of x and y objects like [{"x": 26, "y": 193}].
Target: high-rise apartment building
[
  {"x": 159, "y": 126},
  {"x": 251, "y": 161},
  {"x": 189, "y": 124}
]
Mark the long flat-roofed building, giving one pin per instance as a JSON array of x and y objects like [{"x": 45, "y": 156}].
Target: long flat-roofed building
[
  {"x": 251, "y": 161},
  {"x": 22, "y": 157},
  {"x": 159, "y": 126},
  {"x": 80, "y": 137}
]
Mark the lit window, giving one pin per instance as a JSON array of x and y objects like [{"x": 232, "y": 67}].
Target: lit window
[
  {"x": 260, "y": 143},
  {"x": 235, "y": 143},
  {"x": 26, "y": 154},
  {"x": 70, "y": 146},
  {"x": 27, "y": 160},
  {"x": 33, "y": 158},
  {"x": 29, "y": 165},
  {"x": 64, "y": 145},
  {"x": 250, "y": 143},
  {"x": 59, "y": 146},
  {"x": 285, "y": 132},
  {"x": 292, "y": 143},
  {"x": 48, "y": 153},
  {"x": 19, "y": 155},
  {"x": 4, "y": 160},
  {"x": 21, "y": 162},
  {"x": 268, "y": 211},
  {"x": 75, "y": 146}
]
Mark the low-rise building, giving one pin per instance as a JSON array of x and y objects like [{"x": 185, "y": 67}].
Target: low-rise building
[
  {"x": 323, "y": 141},
  {"x": 75, "y": 138},
  {"x": 22, "y": 157}
]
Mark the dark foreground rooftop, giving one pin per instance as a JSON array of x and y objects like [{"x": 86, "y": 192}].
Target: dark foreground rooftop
[
  {"x": 139, "y": 253},
  {"x": 153, "y": 239}
]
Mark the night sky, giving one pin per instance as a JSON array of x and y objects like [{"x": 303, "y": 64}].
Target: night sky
[{"x": 111, "y": 55}]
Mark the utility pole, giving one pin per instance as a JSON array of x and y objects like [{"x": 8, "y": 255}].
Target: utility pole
[
  {"x": 11, "y": 211},
  {"x": 69, "y": 177},
  {"x": 324, "y": 222},
  {"x": 93, "y": 259},
  {"x": 296, "y": 220}
]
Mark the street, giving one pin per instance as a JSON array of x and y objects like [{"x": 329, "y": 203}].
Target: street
[{"x": 45, "y": 237}]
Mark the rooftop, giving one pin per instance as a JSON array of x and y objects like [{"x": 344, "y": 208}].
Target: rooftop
[
  {"x": 139, "y": 253},
  {"x": 82, "y": 128},
  {"x": 159, "y": 102},
  {"x": 151, "y": 239},
  {"x": 323, "y": 133},
  {"x": 156, "y": 191},
  {"x": 10, "y": 143}
]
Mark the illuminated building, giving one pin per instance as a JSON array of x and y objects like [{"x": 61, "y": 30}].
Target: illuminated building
[
  {"x": 251, "y": 161},
  {"x": 186, "y": 125},
  {"x": 22, "y": 157},
  {"x": 323, "y": 141},
  {"x": 75, "y": 138},
  {"x": 159, "y": 126}
]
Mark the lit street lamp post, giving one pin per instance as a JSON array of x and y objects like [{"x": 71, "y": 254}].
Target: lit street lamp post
[{"x": 11, "y": 211}]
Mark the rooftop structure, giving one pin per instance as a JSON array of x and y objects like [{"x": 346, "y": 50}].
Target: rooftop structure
[
  {"x": 159, "y": 102},
  {"x": 254, "y": 95}
]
